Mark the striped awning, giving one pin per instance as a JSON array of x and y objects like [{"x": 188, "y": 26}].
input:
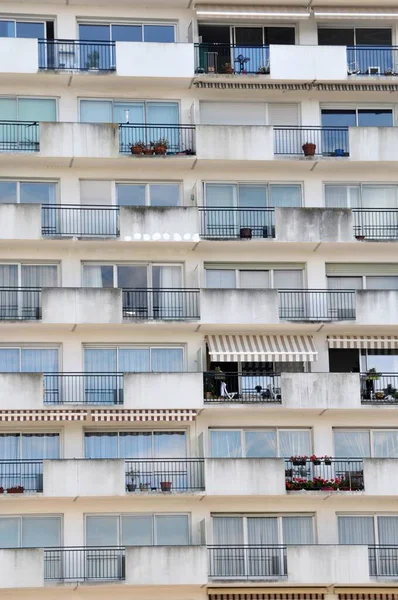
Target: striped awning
[
  {"x": 254, "y": 12},
  {"x": 143, "y": 415},
  {"x": 361, "y": 342},
  {"x": 43, "y": 415},
  {"x": 262, "y": 348},
  {"x": 249, "y": 595}
]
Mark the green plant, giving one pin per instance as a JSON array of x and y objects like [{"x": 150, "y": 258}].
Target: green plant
[
  {"x": 372, "y": 374},
  {"x": 161, "y": 142},
  {"x": 93, "y": 60}
]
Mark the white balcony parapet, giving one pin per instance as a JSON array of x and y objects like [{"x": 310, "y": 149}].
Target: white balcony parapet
[
  {"x": 373, "y": 144},
  {"x": 79, "y": 140},
  {"x": 21, "y": 568},
  {"x": 320, "y": 391},
  {"x": 162, "y": 390},
  {"x": 234, "y": 142},
  {"x": 18, "y": 55},
  {"x": 318, "y": 564},
  {"x": 81, "y": 305},
  {"x": 148, "y": 223},
  {"x": 227, "y": 306},
  {"x": 314, "y": 225},
  {"x": 22, "y": 391},
  {"x": 151, "y": 59},
  {"x": 376, "y": 307},
  {"x": 380, "y": 476},
  {"x": 71, "y": 478},
  {"x": 20, "y": 221},
  {"x": 166, "y": 565},
  {"x": 307, "y": 63},
  {"x": 245, "y": 476}
]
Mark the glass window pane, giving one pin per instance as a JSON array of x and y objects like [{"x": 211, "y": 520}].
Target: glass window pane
[
  {"x": 294, "y": 443},
  {"x": 39, "y": 360},
  {"x": 221, "y": 278},
  {"x": 9, "y": 445},
  {"x": 130, "y": 194},
  {"x": 379, "y": 196},
  {"x": 165, "y": 194},
  {"x": 336, "y": 37},
  {"x": 228, "y": 530},
  {"x": 288, "y": 278},
  {"x": 8, "y": 275},
  {"x": 39, "y": 275},
  {"x": 41, "y": 532},
  {"x": 7, "y": 28},
  {"x": 95, "y": 33},
  {"x": 159, "y": 33},
  {"x": 221, "y": 195},
  {"x": 356, "y": 530},
  {"x": 101, "y": 445},
  {"x": 284, "y": 195},
  {"x": 134, "y": 360},
  {"x": 169, "y": 444},
  {"x": 342, "y": 196},
  {"x": 252, "y": 196},
  {"x": 167, "y": 360},
  {"x": 162, "y": 113},
  {"x": 10, "y": 532},
  {"x": 97, "y": 360},
  {"x": 130, "y": 112},
  {"x": 137, "y": 531},
  {"x": 260, "y": 444},
  {"x": 338, "y": 117},
  {"x": 373, "y": 36},
  {"x": 375, "y": 117},
  {"x": 226, "y": 444},
  {"x": 388, "y": 534},
  {"x": 171, "y": 530},
  {"x": 38, "y": 193},
  {"x": 94, "y": 192},
  {"x": 40, "y": 446},
  {"x": 345, "y": 283},
  {"x": 96, "y": 111},
  {"x": 382, "y": 283},
  {"x": 262, "y": 531},
  {"x": 9, "y": 360},
  {"x": 30, "y": 30},
  {"x": 35, "y": 109},
  {"x": 352, "y": 444},
  {"x": 384, "y": 361},
  {"x": 132, "y": 277},
  {"x": 385, "y": 444},
  {"x": 298, "y": 530},
  {"x": 127, "y": 33},
  {"x": 102, "y": 531},
  {"x": 8, "y": 192},
  {"x": 98, "y": 276},
  {"x": 8, "y": 109},
  {"x": 254, "y": 279},
  {"x": 135, "y": 444}
]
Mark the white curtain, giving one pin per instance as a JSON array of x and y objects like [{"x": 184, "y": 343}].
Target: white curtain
[
  {"x": 221, "y": 278},
  {"x": 170, "y": 303},
  {"x": 221, "y": 223},
  {"x": 101, "y": 445},
  {"x": 294, "y": 443},
  {"x": 134, "y": 360},
  {"x": 100, "y": 388},
  {"x": 9, "y": 360},
  {"x": 41, "y": 532},
  {"x": 228, "y": 531},
  {"x": 137, "y": 530},
  {"x": 262, "y": 531},
  {"x": 385, "y": 444},
  {"x": 298, "y": 530},
  {"x": 167, "y": 360},
  {"x": 352, "y": 444},
  {"x": 171, "y": 530},
  {"x": 40, "y": 446},
  {"x": 226, "y": 444},
  {"x": 135, "y": 444},
  {"x": 342, "y": 196},
  {"x": 379, "y": 196},
  {"x": 356, "y": 530},
  {"x": 39, "y": 275},
  {"x": 260, "y": 444},
  {"x": 388, "y": 531},
  {"x": 285, "y": 195},
  {"x": 97, "y": 276}
]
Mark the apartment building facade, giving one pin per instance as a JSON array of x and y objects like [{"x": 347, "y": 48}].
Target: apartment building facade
[{"x": 199, "y": 300}]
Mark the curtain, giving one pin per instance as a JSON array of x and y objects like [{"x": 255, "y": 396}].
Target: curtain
[
  {"x": 130, "y": 194},
  {"x": 342, "y": 196},
  {"x": 221, "y": 278},
  {"x": 225, "y": 444},
  {"x": 100, "y": 360},
  {"x": 164, "y": 194},
  {"x": 135, "y": 444},
  {"x": 36, "y": 276},
  {"x": 137, "y": 530},
  {"x": 228, "y": 531},
  {"x": 379, "y": 196},
  {"x": 102, "y": 530},
  {"x": 10, "y": 528},
  {"x": 298, "y": 530},
  {"x": 99, "y": 276},
  {"x": 95, "y": 215},
  {"x": 134, "y": 360},
  {"x": 263, "y": 561},
  {"x": 10, "y": 299},
  {"x": 168, "y": 304},
  {"x": 8, "y": 276},
  {"x": 387, "y": 558},
  {"x": 100, "y": 388},
  {"x": 101, "y": 445},
  {"x": 9, "y": 360},
  {"x": 260, "y": 444},
  {"x": 40, "y": 446},
  {"x": 171, "y": 530},
  {"x": 344, "y": 283},
  {"x": 41, "y": 532},
  {"x": 356, "y": 530},
  {"x": 352, "y": 444},
  {"x": 284, "y": 195},
  {"x": 228, "y": 562},
  {"x": 262, "y": 531},
  {"x": 294, "y": 443},
  {"x": 385, "y": 444},
  {"x": 252, "y": 196},
  {"x": 39, "y": 360},
  {"x": 219, "y": 222},
  {"x": 96, "y": 111},
  {"x": 167, "y": 360},
  {"x": 169, "y": 444},
  {"x": 8, "y": 189}
]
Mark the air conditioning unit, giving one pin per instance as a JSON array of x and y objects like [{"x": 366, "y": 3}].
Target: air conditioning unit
[{"x": 373, "y": 71}]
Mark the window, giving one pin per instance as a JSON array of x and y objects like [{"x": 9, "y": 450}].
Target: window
[
  {"x": 263, "y": 530},
  {"x": 30, "y": 532},
  {"x": 135, "y": 444},
  {"x": 27, "y": 29},
  {"x": 357, "y": 117},
  {"x": 378, "y": 443},
  {"x": 141, "y": 113},
  {"x": 29, "y": 446},
  {"x": 253, "y": 278},
  {"x": 14, "y": 359},
  {"x": 256, "y": 443},
  {"x": 28, "y": 109},
  {"x": 361, "y": 282},
  {"x": 135, "y": 32},
  {"x": 22, "y": 275},
  {"x": 132, "y": 359},
  {"x": 27, "y": 192},
  {"x": 148, "y": 194},
  {"x": 354, "y": 36},
  {"x": 137, "y": 530},
  {"x": 242, "y": 195},
  {"x": 150, "y": 276}
]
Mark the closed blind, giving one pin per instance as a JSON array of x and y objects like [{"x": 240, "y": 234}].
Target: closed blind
[
  {"x": 232, "y": 113},
  {"x": 359, "y": 269},
  {"x": 283, "y": 114}
]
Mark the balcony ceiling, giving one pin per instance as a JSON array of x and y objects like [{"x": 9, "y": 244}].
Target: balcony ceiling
[{"x": 235, "y": 3}]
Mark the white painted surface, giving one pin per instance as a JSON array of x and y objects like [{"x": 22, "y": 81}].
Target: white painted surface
[
  {"x": 19, "y": 55},
  {"x": 80, "y": 140},
  {"x": 71, "y": 478},
  {"x": 245, "y": 476},
  {"x": 169, "y": 223},
  {"x": 373, "y": 143},
  {"x": 22, "y": 568},
  {"x": 328, "y": 565},
  {"x": 20, "y": 221},
  {"x": 234, "y": 142},
  {"x": 151, "y": 59},
  {"x": 314, "y": 225},
  {"x": 320, "y": 390},
  {"x": 163, "y": 390},
  {"x": 380, "y": 476},
  {"x": 166, "y": 565},
  {"x": 81, "y": 305},
  {"x": 21, "y": 391},
  {"x": 376, "y": 307},
  {"x": 239, "y": 306},
  {"x": 308, "y": 63}
]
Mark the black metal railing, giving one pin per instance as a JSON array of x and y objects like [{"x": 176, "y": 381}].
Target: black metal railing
[
  {"x": 376, "y": 223},
  {"x": 383, "y": 561},
  {"x": 19, "y": 476},
  {"x": 156, "y": 139},
  {"x": 317, "y": 305},
  {"x": 231, "y": 58},
  {"x": 379, "y": 388},
  {"x": 372, "y": 60},
  {"x": 227, "y": 222},
  {"x": 329, "y": 141},
  {"x": 84, "y": 563},
  {"x": 247, "y": 562},
  {"x": 242, "y": 387},
  {"x": 166, "y": 474},
  {"x": 66, "y": 220},
  {"x": 20, "y": 304},
  {"x": 77, "y": 55},
  {"x": 320, "y": 473},
  {"x": 161, "y": 304},
  {"x": 83, "y": 388},
  {"x": 19, "y": 136}
]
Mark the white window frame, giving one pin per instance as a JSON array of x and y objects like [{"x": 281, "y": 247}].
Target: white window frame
[
  {"x": 368, "y": 430},
  {"x": 35, "y": 516},
  {"x": 151, "y": 431},
  {"x": 23, "y": 97},
  {"x": 362, "y": 277},
  {"x": 243, "y": 430},
  {"x": 147, "y": 185},
  {"x": 141, "y": 23},
  {"x": 19, "y": 181},
  {"x": 19, "y": 266},
  {"x": 266, "y": 184},
  {"x": 148, "y": 265},
  {"x": 356, "y": 185},
  {"x": 259, "y": 268},
  {"x": 27, "y": 19},
  {"x": 358, "y": 106},
  {"x": 20, "y": 347},
  {"x": 144, "y": 101},
  {"x": 375, "y": 517},
  {"x": 34, "y": 432},
  {"x": 134, "y": 347}
]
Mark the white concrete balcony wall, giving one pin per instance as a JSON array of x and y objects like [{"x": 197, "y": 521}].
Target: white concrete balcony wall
[
  {"x": 79, "y": 140},
  {"x": 306, "y": 63},
  {"x": 320, "y": 391},
  {"x": 245, "y": 476},
  {"x": 314, "y": 225},
  {"x": 234, "y": 142},
  {"x": 380, "y": 476},
  {"x": 376, "y": 307},
  {"x": 328, "y": 565},
  {"x": 373, "y": 143},
  {"x": 138, "y": 223},
  {"x": 81, "y": 305},
  {"x": 21, "y": 391},
  {"x": 151, "y": 59},
  {"x": 226, "y": 306},
  {"x": 166, "y": 565},
  {"x": 20, "y": 221},
  {"x": 19, "y": 55},
  {"x": 21, "y": 568},
  {"x": 71, "y": 478},
  {"x": 163, "y": 390}
]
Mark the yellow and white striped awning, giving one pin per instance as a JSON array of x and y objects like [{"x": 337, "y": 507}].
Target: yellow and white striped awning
[
  {"x": 262, "y": 348},
  {"x": 362, "y": 342},
  {"x": 143, "y": 415},
  {"x": 42, "y": 415},
  {"x": 254, "y": 12}
]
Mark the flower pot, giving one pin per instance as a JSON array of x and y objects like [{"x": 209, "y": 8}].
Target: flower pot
[
  {"x": 309, "y": 149},
  {"x": 327, "y": 461},
  {"x": 137, "y": 149},
  {"x": 209, "y": 395},
  {"x": 15, "y": 490},
  {"x": 144, "y": 487},
  {"x": 339, "y": 152},
  {"x": 165, "y": 486},
  {"x": 131, "y": 487},
  {"x": 327, "y": 489},
  {"x": 1, "y": 490},
  {"x": 148, "y": 151},
  {"x": 160, "y": 149},
  {"x": 245, "y": 233},
  {"x": 299, "y": 463},
  {"x": 316, "y": 461},
  {"x": 360, "y": 238}
]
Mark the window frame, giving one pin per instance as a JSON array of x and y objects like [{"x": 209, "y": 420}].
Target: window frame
[
  {"x": 19, "y": 266},
  {"x": 360, "y": 186},
  {"x": 357, "y": 107},
  {"x": 133, "y": 22},
  {"x": 18, "y": 183},
  {"x": 266, "y": 184},
  {"x": 20, "y": 347},
  {"x": 369, "y": 430},
  {"x": 243, "y": 430},
  {"x": 375, "y": 516},
  {"x": 21, "y": 517},
  {"x": 151, "y": 431},
  {"x": 144, "y": 101},
  {"x": 260, "y": 268},
  {"x": 149, "y": 347},
  {"x": 20, "y": 434}
]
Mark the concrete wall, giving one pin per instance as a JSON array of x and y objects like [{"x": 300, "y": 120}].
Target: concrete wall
[
  {"x": 163, "y": 390},
  {"x": 376, "y": 307},
  {"x": 20, "y": 221},
  {"x": 327, "y": 564},
  {"x": 380, "y": 476},
  {"x": 79, "y": 140},
  {"x": 373, "y": 143},
  {"x": 71, "y": 478},
  {"x": 140, "y": 59},
  {"x": 21, "y": 391},
  {"x": 237, "y": 142},
  {"x": 239, "y": 306},
  {"x": 320, "y": 390},
  {"x": 21, "y": 568},
  {"x": 172, "y": 223},
  {"x": 81, "y": 305},
  {"x": 245, "y": 476},
  {"x": 19, "y": 55},
  {"x": 298, "y": 63},
  {"x": 314, "y": 225},
  {"x": 166, "y": 565}
]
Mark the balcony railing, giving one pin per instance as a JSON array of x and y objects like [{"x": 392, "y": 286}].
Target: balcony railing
[
  {"x": 150, "y": 140},
  {"x": 71, "y": 220},
  {"x": 20, "y": 304},
  {"x": 161, "y": 304},
  {"x": 379, "y": 388},
  {"x": 317, "y": 305},
  {"x": 325, "y": 474},
  {"x": 83, "y": 388},
  {"x": 19, "y": 136},
  {"x": 242, "y": 387},
  {"x": 383, "y": 561},
  {"x": 19, "y": 476},
  {"x": 372, "y": 60},
  {"x": 231, "y": 58},
  {"x": 376, "y": 223},
  {"x": 329, "y": 141},
  {"x": 84, "y": 563},
  {"x": 247, "y": 562},
  {"x": 166, "y": 474},
  {"x": 77, "y": 55},
  {"x": 227, "y": 222}
]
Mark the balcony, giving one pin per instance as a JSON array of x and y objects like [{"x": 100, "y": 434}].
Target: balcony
[
  {"x": 21, "y": 568},
  {"x": 75, "y": 55},
  {"x": 375, "y": 223},
  {"x": 324, "y": 474},
  {"x": 379, "y": 389},
  {"x": 245, "y": 476},
  {"x": 20, "y": 304},
  {"x": 85, "y": 564},
  {"x": 317, "y": 305},
  {"x": 156, "y": 140},
  {"x": 247, "y": 562},
  {"x": 238, "y": 388},
  {"x": 233, "y": 306},
  {"x": 228, "y": 59},
  {"x": 71, "y": 220},
  {"x": 157, "y": 390},
  {"x": 165, "y": 475},
  {"x": 21, "y": 476},
  {"x": 320, "y": 391},
  {"x": 19, "y": 136},
  {"x": 231, "y": 223},
  {"x": 383, "y": 561},
  {"x": 328, "y": 141},
  {"x": 372, "y": 60},
  {"x": 161, "y": 304},
  {"x": 83, "y": 388}
]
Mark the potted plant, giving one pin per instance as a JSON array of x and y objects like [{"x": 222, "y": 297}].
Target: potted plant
[
  {"x": 299, "y": 460},
  {"x": 373, "y": 375},
  {"x": 315, "y": 460},
  {"x": 396, "y": 396},
  {"x": 144, "y": 487},
  {"x": 228, "y": 68},
  {"x": 309, "y": 149},
  {"x": 263, "y": 70},
  {"x": 17, "y": 489},
  {"x": 165, "y": 486},
  {"x": 1, "y": 490},
  {"x": 210, "y": 389},
  {"x": 160, "y": 146},
  {"x": 259, "y": 389},
  {"x": 132, "y": 486},
  {"x": 137, "y": 147},
  {"x": 288, "y": 472},
  {"x": 389, "y": 390},
  {"x": 148, "y": 150},
  {"x": 327, "y": 460},
  {"x": 93, "y": 59},
  {"x": 245, "y": 233},
  {"x": 379, "y": 395}
]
